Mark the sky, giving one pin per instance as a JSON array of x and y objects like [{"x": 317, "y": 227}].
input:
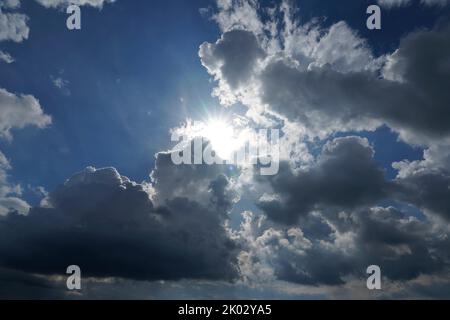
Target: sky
[{"x": 87, "y": 170}]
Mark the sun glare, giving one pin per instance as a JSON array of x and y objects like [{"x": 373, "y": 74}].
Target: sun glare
[{"x": 221, "y": 135}]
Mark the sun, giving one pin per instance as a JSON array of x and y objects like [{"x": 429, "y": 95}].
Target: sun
[{"x": 221, "y": 135}]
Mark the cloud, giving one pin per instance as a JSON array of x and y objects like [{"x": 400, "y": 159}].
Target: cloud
[
  {"x": 233, "y": 57},
  {"x": 312, "y": 82},
  {"x": 17, "y": 285},
  {"x": 345, "y": 176},
  {"x": 6, "y": 57},
  {"x": 61, "y": 84},
  {"x": 324, "y": 81},
  {"x": 200, "y": 183},
  {"x": 404, "y": 90},
  {"x": 436, "y": 2},
  {"x": 393, "y": 3},
  {"x": 108, "y": 225},
  {"x": 403, "y": 3},
  {"x": 402, "y": 246},
  {"x": 10, "y": 4},
  {"x": 18, "y": 111},
  {"x": 13, "y": 26},
  {"x": 65, "y": 3},
  {"x": 9, "y": 193},
  {"x": 426, "y": 183},
  {"x": 241, "y": 14}
]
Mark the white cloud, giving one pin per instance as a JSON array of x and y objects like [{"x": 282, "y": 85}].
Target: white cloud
[
  {"x": 6, "y": 57},
  {"x": 13, "y": 26},
  {"x": 9, "y": 192},
  {"x": 8, "y": 204},
  {"x": 403, "y": 3},
  {"x": 10, "y": 4},
  {"x": 238, "y": 14},
  {"x": 4, "y": 162},
  {"x": 62, "y": 84},
  {"x": 62, "y": 3},
  {"x": 393, "y": 3},
  {"x": 18, "y": 111}
]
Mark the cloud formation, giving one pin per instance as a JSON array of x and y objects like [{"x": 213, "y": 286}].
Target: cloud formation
[
  {"x": 13, "y": 26},
  {"x": 403, "y": 246},
  {"x": 331, "y": 201},
  {"x": 403, "y": 3},
  {"x": 18, "y": 111},
  {"x": 323, "y": 82},
  {"x": 344, "y": 176},
  {"x": 9, "y": 193},
  {"x": 108, "y": 225},
  {"x": 6, "y": 57},
  {"x": 291, "y": 80},
  {"x": 65, "y": 3}
]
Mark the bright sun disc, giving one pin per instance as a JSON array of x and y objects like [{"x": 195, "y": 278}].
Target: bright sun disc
[{"x": 221, "y": 136}]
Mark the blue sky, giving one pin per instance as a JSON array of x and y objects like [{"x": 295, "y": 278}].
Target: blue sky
[{"x": 138, "y": 69}]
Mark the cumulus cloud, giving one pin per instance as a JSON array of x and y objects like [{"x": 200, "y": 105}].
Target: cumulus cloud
[
  {"x": 13, "y": 26},
  {"x": 233, "y": 57},
  {"x": 323, "y": 81},
  {"x": 344, "y": 176},
  {"x": 426, "y": 183},
  {"x": 409, "y": 97},
  {"x": 18, "y": 111},
  {"x": 208, "y": 185},
  {"x": 108, "y": 225},
  {"x": 402, "y": 246}
]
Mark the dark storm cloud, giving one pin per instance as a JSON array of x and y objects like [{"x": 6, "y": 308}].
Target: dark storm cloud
[
  {"x": 345, "y": 176},
  {"x": 21, "y": 285},
  {"x": 343, "y": 189},
  {"x": 108, "y": 226},
  {"x": 428, "y": 190},
  {"x": 403, "y": 247},
  {"x": 221, "y": 194}
]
